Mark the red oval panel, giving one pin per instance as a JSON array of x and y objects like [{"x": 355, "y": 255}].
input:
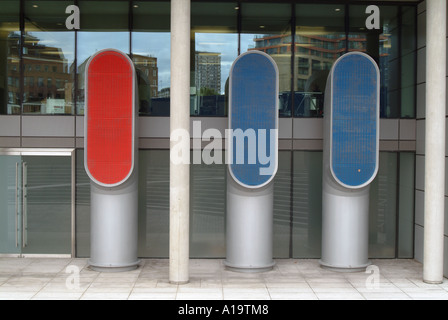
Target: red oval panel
[{"x": 109, "y": 117}]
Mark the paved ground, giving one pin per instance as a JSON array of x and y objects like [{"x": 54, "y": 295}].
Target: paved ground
[{"x": 36, "y": 278}]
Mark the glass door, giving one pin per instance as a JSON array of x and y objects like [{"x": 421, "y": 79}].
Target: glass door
[
  {"x": 36, "y": 199},
  {"x": 10, "y": 209}
]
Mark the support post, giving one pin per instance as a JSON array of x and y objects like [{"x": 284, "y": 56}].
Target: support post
[
  {"x": 180, "y": 120},
  {"x": 435, "y": 141}
]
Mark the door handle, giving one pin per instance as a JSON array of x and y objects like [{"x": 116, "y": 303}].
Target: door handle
[
  {"x": 16, "y": 194},
  {"x": 24, "y": 205}
]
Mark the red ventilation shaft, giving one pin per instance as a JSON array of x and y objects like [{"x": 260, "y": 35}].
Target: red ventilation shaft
[{"x": 110, "y": 160}]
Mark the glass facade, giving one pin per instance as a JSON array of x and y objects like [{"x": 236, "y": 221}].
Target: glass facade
[
  {"x": 320, "y": 39},
  {"x": 42, "y": 67},
  {"x": 10, "y": 39},
  {"x": 46, "y": 62},
  {"x": 297, "y": 206}
]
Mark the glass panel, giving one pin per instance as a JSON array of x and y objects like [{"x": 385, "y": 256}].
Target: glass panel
[
  {"x": 408, "y": 36},
  {"x": 282, "y": 206},
  {"x": 214, "y": 48},
  {"x": 320, "y": 40},
  {"x": 267, "y": 28},
  {"x": 207, "y": 210},
  {"x": 307, "y": 204},
  {"x": 383, "y": 208},
  {"x": 48, "y": 57},
  {"x": 9, "y": 58},
  {"x": 406, "y": 205},
  {"x": 82, "y": 207},
  {"x": 154, "y": 201},
  {"x": 153, "y": 219},
  {"x": 408, "y": 74},
  {"x": 151, "y": 41},
  {"x": 48, "y": 204},
  {"x": 10, "y": 209},
  {"x": 102, "y": 27},
  {"x": 382, "y": 46}
]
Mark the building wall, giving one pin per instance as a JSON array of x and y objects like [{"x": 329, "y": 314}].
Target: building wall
[
  {"x": 297, "y": 212},
  {"x": 420, "y": 148}
]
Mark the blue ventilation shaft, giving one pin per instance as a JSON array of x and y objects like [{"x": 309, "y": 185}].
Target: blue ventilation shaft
[
  {"x": 252, "y": 162},
  {"x": 351, "y": 141}
]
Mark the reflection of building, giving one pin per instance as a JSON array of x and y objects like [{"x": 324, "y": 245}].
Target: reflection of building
[
  {"x": 314, "y": 52},
  {"x": 208, "y": 72},
  {"x": 314, "y": 57},
  {"x": 149, "y": 72},
  {"x": 164, "y": 93},
  {"x": 10, "y": 72},
  {"x": 46, "y": 83}
]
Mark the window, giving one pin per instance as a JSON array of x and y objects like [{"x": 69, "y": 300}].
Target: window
[
  {"x": 214, "y": 48},
  {"x": 267, "y": 28},
  {"x": 50, "y": 48},
  {"x": 151, "y": 44},
  {"x": 393, "y": 46},
  {"x": 103, "y": 27},
  {"x": 320, "y": 39}
]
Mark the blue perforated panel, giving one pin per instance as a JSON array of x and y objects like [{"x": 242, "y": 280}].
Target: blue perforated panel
[
  {"x": 253, "y": 105},
  {"x": 354, "y": 120}
]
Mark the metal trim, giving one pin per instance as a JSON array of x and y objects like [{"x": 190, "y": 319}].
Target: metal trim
[{"x": 38, "y": 255}]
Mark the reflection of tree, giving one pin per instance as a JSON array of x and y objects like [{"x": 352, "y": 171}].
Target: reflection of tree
[{"x": 208, "y": 92}]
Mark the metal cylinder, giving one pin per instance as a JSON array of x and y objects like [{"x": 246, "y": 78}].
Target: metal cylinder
[
  {"x": 114, "y": 226},
  {"x": 345, "y": 228},
  {"x": 249, "y": 227}
]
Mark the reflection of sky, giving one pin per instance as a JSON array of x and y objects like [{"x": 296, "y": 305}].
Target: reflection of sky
[
  {"x": 247, "y": 41},
  {"x": 58, "y": 39},
  {"x": 154, "y": 44},
  {"x": 91, "y": 42},
  {"x": 224, "y": 43}
]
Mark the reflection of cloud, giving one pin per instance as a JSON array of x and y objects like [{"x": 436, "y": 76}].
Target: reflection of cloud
[
  {"x": 91, "y": 42},
  {"x": 247, "y": 42},
  {"x": 212, "y": 44},
  {"x": 58, "y": 39},
  {"x": 155, "y": 44}
]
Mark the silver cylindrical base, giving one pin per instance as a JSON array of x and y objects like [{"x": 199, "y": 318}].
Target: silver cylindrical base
[
  {"x": 345, "y": 229},
  {"x": 114, "y": 232},
  {"x": 249, "y": 228}
]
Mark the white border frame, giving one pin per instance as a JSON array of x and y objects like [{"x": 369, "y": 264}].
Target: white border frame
[
  {"x": 377, "y": 121},
  {"x": 134, "y": 124},
  {"x": 230, "y": 136}
]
